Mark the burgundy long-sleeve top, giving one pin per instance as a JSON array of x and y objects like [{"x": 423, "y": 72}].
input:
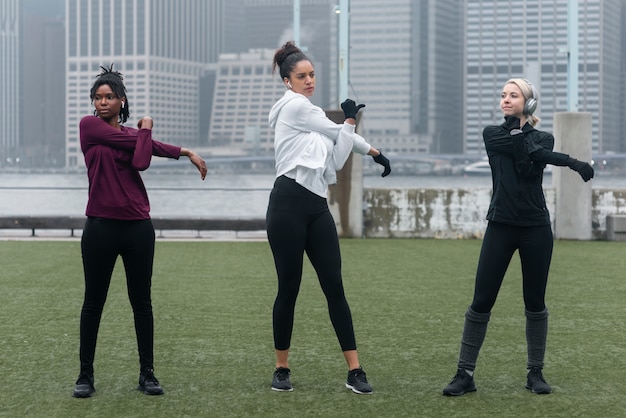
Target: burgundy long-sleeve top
[{"x": 114, "y": 158}]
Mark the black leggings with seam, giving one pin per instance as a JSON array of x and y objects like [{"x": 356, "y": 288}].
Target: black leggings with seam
[
  {"x": 101, "y": 243},
  {"x": 499, "y": 244},
  {"x": 299, "y": 221}
]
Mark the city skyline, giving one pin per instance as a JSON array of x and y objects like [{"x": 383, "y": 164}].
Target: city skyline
[{"x": 429, "y": 71}]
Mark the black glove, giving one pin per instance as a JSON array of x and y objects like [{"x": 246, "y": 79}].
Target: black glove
[
  {"x": 350, "y": 108},
  {"x": 384, "y": 161},
  {"x": 584, "y": 169},
  {"x": 513, "y": 125}
]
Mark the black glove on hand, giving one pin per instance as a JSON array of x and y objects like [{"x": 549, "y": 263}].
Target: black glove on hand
[
  {"x": 584, "y": 169},
  {"x": 350, "y": 108},
  {"x": 513, "y": 125},
  {"x": 384, "y": 161}
]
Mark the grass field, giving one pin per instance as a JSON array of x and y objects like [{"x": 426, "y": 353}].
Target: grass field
[{"x": 213, "y": 343}]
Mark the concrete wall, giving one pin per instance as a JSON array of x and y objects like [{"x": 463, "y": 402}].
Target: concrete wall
[{"x": 458, "y": 213}]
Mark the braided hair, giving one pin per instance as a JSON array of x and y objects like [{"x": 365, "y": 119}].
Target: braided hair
[
  {"x": 286, "y": 57},
  {"x": 115, "y": 80}
]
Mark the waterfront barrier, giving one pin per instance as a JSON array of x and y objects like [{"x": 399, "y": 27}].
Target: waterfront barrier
[
  {"x": 74, "y": 223},
  {"x": 460, "y": 213},
  {"x": 387, "y": 213},
  {"x": 616, "y": 227}
]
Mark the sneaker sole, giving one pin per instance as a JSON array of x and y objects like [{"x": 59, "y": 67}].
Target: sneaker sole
[
  {"x": 543, "y": 392},
  {"x": 358, "y": 391},
  {"x": 82, "y": 395},
  {"x": 459, "y": 393},
  {"x": 139, "y": 388},
  {"x": 282, "y": 390}
]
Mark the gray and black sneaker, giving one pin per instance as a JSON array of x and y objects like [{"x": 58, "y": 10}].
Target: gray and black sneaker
[
  {"x": 536, "y": 383},
  {"x": 357, "y": 381},
  {"x": 461, "y": 383},
  {"x": 280, "y": 381},
  {"x": 84, "y": 386},
  {"x": 149, "y": 384}
]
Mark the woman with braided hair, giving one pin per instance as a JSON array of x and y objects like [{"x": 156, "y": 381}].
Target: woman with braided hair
[
  {"x": 518, "y": 220},
  {"x": 118, "y": 221}
]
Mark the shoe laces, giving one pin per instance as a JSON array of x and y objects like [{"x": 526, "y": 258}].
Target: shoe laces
[
  {"x": 460, "y": 375},
  {"x": 359, "y": 374},
  {"x": 282, "y": 373},
  {"x": 148, "y": 376},
  {"x": 535, "y": 373}
]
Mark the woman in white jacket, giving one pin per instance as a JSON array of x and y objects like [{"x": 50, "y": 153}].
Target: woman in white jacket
[{"x": 309, "y": 149}]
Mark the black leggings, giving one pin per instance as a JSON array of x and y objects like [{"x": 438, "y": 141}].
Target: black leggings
[
  {"x": 298, "y": 221},
  {"x": 499, "y": 244},
  {"x": 102, "y": 241}
]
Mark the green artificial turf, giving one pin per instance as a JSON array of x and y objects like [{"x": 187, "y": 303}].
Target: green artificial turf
[{"x": 213, "y": 336}]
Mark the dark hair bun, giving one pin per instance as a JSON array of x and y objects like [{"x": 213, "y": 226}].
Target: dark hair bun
[{"x": 283, "y": 52}]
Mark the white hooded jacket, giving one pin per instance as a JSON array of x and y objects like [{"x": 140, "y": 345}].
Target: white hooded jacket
[{"x": 309, "y": 147}]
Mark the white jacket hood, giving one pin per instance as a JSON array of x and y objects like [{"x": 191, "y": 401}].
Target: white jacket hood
[{"x": 280, "y": 104}]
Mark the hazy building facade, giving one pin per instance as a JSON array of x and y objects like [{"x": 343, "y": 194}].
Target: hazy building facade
[
  {"x": 528, "y": 38},
  {"x": 261, "y": 24},
  {"x": 161, "y": 46},
  {"x": 622, "y": 88},
  {"x": 32, "y": 83},
  {"x": 10, "y": 98},
  {"x": 43, "y": 91},
  {"x": 405, "y": 64},
  {"x": 245, "y": 90}
]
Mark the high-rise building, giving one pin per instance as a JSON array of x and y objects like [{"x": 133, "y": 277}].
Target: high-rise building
[
  {"x": 267, "y": 24},
  {"x": 528, "y": 38},
  {"x": 245, "y": 90},
  {"x": 43, "y": 91},
  {"x": 162, "y": 47},
  {"x": 622, "y": 142},
  {"x": 10, "y": 98},
  {"x": 32, "y": 89},
  {"x": 405, "y": 64}
]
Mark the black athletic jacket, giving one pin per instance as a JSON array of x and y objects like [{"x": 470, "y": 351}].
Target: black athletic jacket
[{"x": 517, "y": 163}]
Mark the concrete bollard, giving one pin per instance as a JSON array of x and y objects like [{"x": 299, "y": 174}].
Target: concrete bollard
[
  {"x": 345, "y": 199},
  {"x": 572, "y": 217}
]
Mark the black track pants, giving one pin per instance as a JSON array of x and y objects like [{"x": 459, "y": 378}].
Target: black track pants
[
  {"x": 102, "y": 241},
  {"x": 499, "y": 244},
  {"x": 299, "y": 221}
]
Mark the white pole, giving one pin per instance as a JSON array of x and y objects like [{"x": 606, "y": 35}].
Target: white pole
[
  {"x": 296, "y": 22},
  {"x": 572, "y": 56},
  {"x": 344, "y": 44}
]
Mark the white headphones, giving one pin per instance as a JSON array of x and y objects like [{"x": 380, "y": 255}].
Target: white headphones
[{"x": 289, "y": 84}]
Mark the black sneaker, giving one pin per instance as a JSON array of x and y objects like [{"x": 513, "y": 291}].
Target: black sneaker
[
  {"x": 84, "y": 386},
  {"x": 357, "y": 381},
  {"x": 536, "y": 383},
  {"x": 149, "y": 384},
  {"x": 461, "y": 383},
  {"x": 280, "y": 381}
]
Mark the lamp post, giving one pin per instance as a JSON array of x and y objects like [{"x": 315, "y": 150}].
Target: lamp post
[
  {"x": 572, "y": 135},
  {"x": 347, "y": 194}
]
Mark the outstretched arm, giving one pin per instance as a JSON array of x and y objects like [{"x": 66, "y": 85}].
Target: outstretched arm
[
  {"x": 195, "y": 160},
  {"x": 147, "y": 123}
]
